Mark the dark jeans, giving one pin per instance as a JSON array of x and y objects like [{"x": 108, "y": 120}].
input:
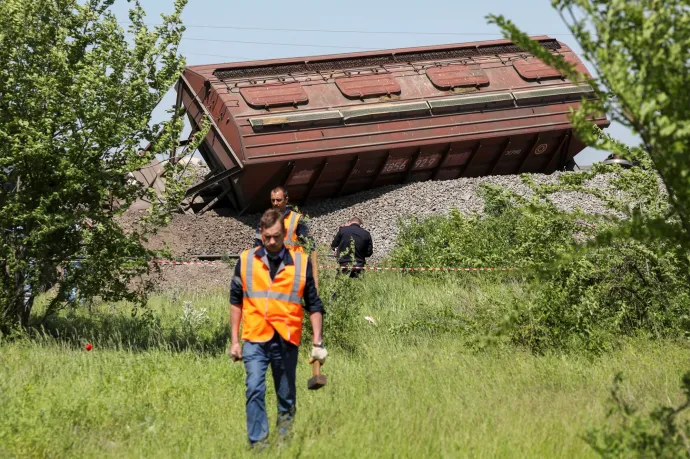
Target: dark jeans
[{"x": 282, "y": 356}]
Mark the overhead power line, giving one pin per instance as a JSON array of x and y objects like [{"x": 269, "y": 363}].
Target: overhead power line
[
  {"x": 371, "y": 32},
  {"x": 277, "y": 44},
  {"x": 223, "y": 56}
]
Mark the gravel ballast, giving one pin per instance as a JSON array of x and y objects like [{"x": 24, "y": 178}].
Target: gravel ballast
[
  {"x": 380, "y": 209},
  {"x": 190, "y": 236}
]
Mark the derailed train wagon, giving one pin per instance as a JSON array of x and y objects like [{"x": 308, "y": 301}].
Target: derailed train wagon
[{"x": 327, "y": 126}]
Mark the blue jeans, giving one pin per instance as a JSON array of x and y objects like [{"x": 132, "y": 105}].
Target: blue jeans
[{"x": 283, "y": 359}]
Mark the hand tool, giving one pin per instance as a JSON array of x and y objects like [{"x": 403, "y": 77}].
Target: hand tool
[{"x": 317, "y": 381}]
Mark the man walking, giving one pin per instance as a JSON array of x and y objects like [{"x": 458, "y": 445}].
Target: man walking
[
  {"x": 266, "y": 294},
  {"x": 297, "y": 232},
  {"x": 348, "y": 236}
]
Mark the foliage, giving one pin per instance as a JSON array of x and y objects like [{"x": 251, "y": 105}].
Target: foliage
[
  {"x": 341, "y": 298},
  {"x": 308, "y": 244},
  {"x": 622, "y": 289},
  {"x": 76, "y": 97},
  {"x": 618, "y": 277},
  {"x": 588, "y": 288},
  {"x": 623, "y": 273},
  {"x": 443, "y": 320},
  {"x": 526, "y": 236},
  {"x": 152, "y": 394},
  {"x": 634, "y": 434},
  {"x": 168, "y": 324},
  {"x": 193, "y": 318},
  {"x": 640, "y": 54}
]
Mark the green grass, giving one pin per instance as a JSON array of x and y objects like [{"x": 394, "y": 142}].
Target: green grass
[{"x": 153, "y": 387}]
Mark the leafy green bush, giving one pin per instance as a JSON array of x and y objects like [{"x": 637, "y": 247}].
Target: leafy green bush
[
  {"x": 588, "y": 288},
  {"x": 507, "y": 235},
  {"x": 342, "y": 321},
  {"x": 629, "y": 433},
  {"x": 619, "y": 290}
]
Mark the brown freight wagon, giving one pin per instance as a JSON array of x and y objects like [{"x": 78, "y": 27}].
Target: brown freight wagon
[{"x": 326, "y": 126}]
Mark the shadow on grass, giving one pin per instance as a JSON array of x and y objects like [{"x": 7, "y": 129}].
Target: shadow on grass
[{"x": 135, "y": 333}]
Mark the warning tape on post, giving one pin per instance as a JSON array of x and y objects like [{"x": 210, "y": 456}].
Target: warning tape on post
[{"x": 356, "y": 268}]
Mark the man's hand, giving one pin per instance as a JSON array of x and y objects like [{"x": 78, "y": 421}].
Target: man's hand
[
  {"x": 236, "y": 352},
  {"x": 318, "y": 353},
  {"x": 235, "y": 318}
]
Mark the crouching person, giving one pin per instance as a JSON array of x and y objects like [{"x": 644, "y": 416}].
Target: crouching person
[{"x": 266, "y": 294}]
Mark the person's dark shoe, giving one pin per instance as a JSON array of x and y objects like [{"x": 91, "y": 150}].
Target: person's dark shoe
[{"x": 285, "y": 427}]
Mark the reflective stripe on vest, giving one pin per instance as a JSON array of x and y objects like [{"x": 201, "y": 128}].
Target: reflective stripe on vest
[
  {"x": 291, "y": 221},
  {"x": 276, "y": 304},
  {"x": 291, "y": 238}
]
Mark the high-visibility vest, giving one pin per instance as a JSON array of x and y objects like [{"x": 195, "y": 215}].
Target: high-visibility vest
[
  {"x": 291, "y": 238},
  {"x": 272, "y": 305}
]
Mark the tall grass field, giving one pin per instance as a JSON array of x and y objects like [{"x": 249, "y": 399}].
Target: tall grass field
[{"x": 416, "y": 383}]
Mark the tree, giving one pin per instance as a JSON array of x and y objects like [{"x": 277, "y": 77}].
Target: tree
[
  {"x": 76, "y": 97},
  {"x": 640, "y": 51},
  {"x": 640, "y": 59}
]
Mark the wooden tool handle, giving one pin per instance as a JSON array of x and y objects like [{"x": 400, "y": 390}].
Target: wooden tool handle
[{"x": 316, "y": 368}]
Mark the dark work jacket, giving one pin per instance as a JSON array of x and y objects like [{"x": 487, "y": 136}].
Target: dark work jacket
[{"x": 364, "y": 247}]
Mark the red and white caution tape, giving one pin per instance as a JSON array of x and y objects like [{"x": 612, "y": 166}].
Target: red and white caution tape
[
  {"x": 194, "y": 262},
  {"x": 365, "y": 268},
  {"x": 375, "y": 268}
]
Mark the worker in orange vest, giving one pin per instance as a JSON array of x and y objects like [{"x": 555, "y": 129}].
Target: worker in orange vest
[
  {"x": 297, "y": 234},
  {"x": 266, "y": 294}
]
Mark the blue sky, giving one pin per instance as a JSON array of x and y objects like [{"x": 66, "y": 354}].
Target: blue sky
[{"x": 227, "y": 31}]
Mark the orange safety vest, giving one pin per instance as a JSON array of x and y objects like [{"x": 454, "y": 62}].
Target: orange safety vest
[
  {"x": 291, "y": 239},
  {"x": 269, "y": 306}
]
